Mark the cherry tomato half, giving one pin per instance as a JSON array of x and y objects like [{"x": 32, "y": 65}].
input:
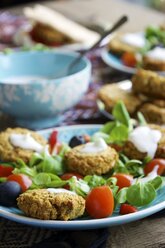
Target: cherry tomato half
[
  {"x": 23, "y": 180},
  {"x": 123, "y": 180},
  {"x": 129, "y": 59},
  {"x": 100, "y": 202},
  {"x": 69, "y": 175},
  {"x": 5, "y": 170},
  {"x": 127, "y": 209},
  {"x": 53, "y": 139},
  {"x": 160, "y": 162}
]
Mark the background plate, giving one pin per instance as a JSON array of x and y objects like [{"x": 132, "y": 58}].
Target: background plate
[
  {"x": 115, "y": 62},
  {"x": 65, "y": 133}
]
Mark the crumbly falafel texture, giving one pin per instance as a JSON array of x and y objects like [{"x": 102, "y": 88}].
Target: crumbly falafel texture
[
  {"x": 45, "y": 205},
  {"x": 10, "y": 153},
  {"x": 91, "y": 163}
]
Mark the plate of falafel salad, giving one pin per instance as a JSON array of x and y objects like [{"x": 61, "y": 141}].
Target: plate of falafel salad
[
  {"x": 83, "y": 176},
  {"x": 128, "y": 52}
]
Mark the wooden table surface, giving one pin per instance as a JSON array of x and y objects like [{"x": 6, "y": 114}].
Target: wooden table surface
[{"x": 149, "y": 232}]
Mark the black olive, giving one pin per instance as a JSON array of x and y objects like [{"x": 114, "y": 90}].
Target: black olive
[
  {"x": 9, "y": 191},
  {"x": 76, "y": 141}
]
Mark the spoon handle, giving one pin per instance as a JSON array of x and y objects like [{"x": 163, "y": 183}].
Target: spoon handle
[
  {"x": 105, "y": 35},
  {"x": 102, "y": 41}
]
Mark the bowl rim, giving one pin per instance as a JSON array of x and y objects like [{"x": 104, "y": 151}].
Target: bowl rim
[{"x": 87, "y": 65}]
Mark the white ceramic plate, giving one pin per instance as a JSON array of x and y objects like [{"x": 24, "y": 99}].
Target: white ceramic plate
[{"x": 65, "y": 133}]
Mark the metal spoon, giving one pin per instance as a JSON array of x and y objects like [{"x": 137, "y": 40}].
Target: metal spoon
[{"x": 104, "y": 39}]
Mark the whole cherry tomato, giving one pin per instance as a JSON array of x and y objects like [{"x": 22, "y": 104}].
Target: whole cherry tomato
[
  {"x": 123, "y": 180},
  {"x": 127, "y": 209},
  {"x": 160, "y": 162},
  {"x": 100, "y": 202},
  {"x": 69, "y": 175},
  {"x": 5, "y": 170},
  {"x": 129, "y": 59},
  {"x": 23, "y": 180}
]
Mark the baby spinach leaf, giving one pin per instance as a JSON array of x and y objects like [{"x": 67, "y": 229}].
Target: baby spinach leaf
[
  {"x": 52, "y": 165},
  {"x": 80, "y": 186},
  {"x": 121, "y": 196},
  {"x": 119, "y": 134},
  {"x": 141, "y": 119},
  {"x": 111, "y": 181},
  {"x": 3, "y": 179},
  {"x": 94, "y": 180},
  {"x": 22, "y": 168},
  {"x": 125, "y": 165},
  {"x": 64, "y": 148},
  {"x": 47, "y": 180},
  {"x": 156, "y": 182},
  {"x": 141, "y": 194},
  {"x": 35, "y": 159},
  {"x": 108, "y": 127},
  {"x": 120, "y": 167},
  {"x": 42, "y": 179},
  {"x": 56, "y": 184},
  {"x": 121, "y": 114}
]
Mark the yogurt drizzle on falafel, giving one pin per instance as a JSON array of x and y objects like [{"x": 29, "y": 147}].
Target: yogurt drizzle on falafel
[
  {"x": 145, "y": 139},
  {"x": 98, "y": 145},
  {"x": 25, "y": 141},
  {"x": 60, "y": 190}
]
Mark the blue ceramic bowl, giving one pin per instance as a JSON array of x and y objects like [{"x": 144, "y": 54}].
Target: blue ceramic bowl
[{"x": 30, "y": 91}]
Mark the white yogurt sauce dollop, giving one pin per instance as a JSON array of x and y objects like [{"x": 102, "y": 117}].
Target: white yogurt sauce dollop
[
  {"x": 25, "y": 141},
  {"x": 145, "y": 139},
  {"x": 134, "y": 39},
  {"x": 60, "y": 190},
  {"x": 98, "y": 145},
  {"x": 158, "y": 53}
]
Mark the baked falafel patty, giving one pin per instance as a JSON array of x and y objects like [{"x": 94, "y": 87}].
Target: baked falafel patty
[
  {"x": 11, "y": 153},
  {"x": 132, "y": 152},
  {"x": 118, "y": 46},
  {"x": 154, "y": 112},
  {"x": 149, "y": 83},
  {"x": 91, "y": 163},
  {"x": 46, "y": 205},
  {"x": 111, "y": 94}
]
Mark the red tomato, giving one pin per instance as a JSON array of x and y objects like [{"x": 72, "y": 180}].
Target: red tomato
[
  {"x": 23, "y": 180},
  {"x": 127, "y": 209},
  {"x": 157, "y": 161},
  {"x": 100, "y": 202},
  {"x": 53, "y": 139},
  {"x": 69, "y": 175},
  {"x": 129, "y": 59},
  {"x": 5, "y": 170},
  {"x": 123, "y": 180}
]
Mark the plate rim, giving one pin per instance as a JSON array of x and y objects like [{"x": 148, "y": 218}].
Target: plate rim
[{"x": 81, "y": 224}]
